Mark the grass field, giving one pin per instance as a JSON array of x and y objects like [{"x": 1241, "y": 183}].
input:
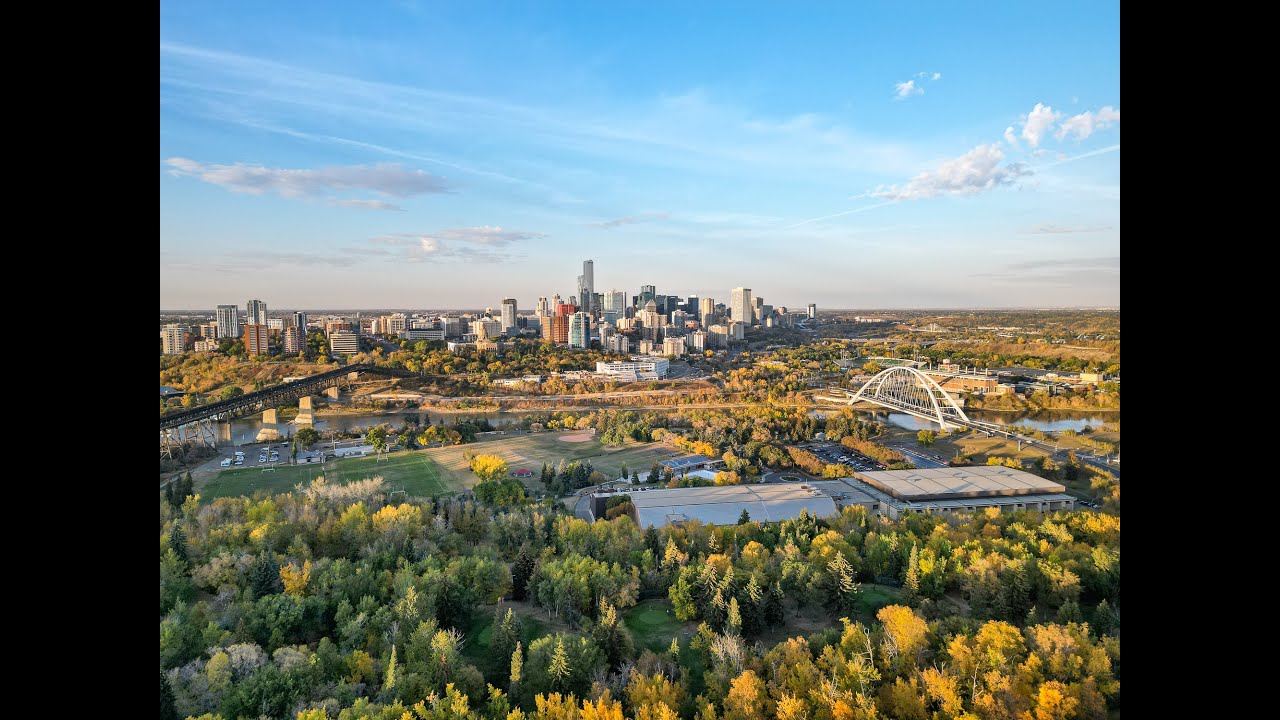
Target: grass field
[
  {"x": 533, "y": 449},
  {"x": 652, "y": 625},
  {"x": 414, "y": 472},
  {"x": 444, "y": 470},
  {"x": 479, "y": 635}
]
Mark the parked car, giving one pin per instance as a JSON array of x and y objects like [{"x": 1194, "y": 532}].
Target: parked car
[{"x": 226, "y": 462}]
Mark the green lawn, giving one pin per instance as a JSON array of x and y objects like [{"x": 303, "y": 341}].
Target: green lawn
[
  {"x": 652, "y": 623},
  {"x": 415, "y": 472},
  {"x": 873, "y": 597},
  {"x": 480, "y": 634}
]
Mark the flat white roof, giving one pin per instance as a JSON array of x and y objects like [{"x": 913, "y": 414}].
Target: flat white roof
[
  {"x": 958, "y": 482},
  {"x": 723, "y": 505}
]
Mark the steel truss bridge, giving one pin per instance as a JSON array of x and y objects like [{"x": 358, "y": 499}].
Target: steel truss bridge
[{"x": 198, "y": 424}]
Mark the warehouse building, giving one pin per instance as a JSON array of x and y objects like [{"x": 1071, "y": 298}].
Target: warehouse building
[
  {"x": 724, "y": 505},
  {"x": 949, "y": 490}
]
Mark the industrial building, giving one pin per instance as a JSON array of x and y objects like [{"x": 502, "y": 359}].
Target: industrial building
[
  {"x": 723, "y": 505},
  {"x": 946, "y": 490}
]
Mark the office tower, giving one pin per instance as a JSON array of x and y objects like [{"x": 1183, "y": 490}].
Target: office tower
[
  {"x": 741, "y": 307},
  {"x": 173, "y": 338},
  {"x": 766, "y": 312},
  {"x": 485, "y": 328},
  {"x": 566, "y": 309},
  {"x": 737, "y": 330},
  {"x": 543, "y": 309},
  {"x": 647, "y": 293},
  {"x": 545, "y": 327},
  {"x": 556, "y": 301},
  {"x": 580, "y": 330},
  {"x": 255, "y": 339},
  {"x": 228, "y": 321},
  {"x": 813, "y": 311},
  {"x": 508, "y": 314},
  {"x": 292, "y": 344},
  {"x": 256, "y": 313},
  {"x": 707, "y": 309},
  {"x": 587, "y": 284},
  {"x": 757, "y": 311},
  {"x": 344, "y": 342},
  {"x": 691, "y": 305},
  {"x": 615, "y": 306},
  {"x": 300, "y": 322}
]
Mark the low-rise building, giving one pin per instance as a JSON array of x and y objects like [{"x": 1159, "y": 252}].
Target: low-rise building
[
  {"x": 344, "y": 342},
  {"x": 948, "y": 490},
  {"x": 637, "y": 368}
]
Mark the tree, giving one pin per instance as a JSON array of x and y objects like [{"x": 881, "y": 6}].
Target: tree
[
  {"x": 178, "y": 542},
  {"x": 521, "y": 570},
  {"x": 558, "y": 669},
  {"x": 744, "y": 518},
  {"x": 912, "y": 581},
  {"x": 926, "y": 437},
  {"x": 377, "y": 437},
  {"x": 842, "y": 589},
  {"x": 390, "y": 682},
  {"x": 295, "y": 579},
  {"x": 168, "y": 711},
  {"x": 306, "y": 437},
  {"x": 489, "y": 467}
]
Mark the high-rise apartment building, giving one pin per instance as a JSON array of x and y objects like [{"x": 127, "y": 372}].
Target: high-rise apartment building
[
  {"x": 228, "y": 321},
  {"x": 673, "y": 347},
  {"x": 290, "y": 340},
  {"x": 813, "y": 311},
  {"x": 300, "y": 322},
  {"x": 543, "y": 309},
  {"x": 256, "y": 313},
  {"x": 615, "y": 305},
  {"x": 508, "y": 315},
  {"x": 741, "y": 307},
  {"x": 580, "y": 330},
  {"x": 757, "y": 311},
  {"x": 344, "y": 342},
  {"x": 275, "y": 325},
  {"x": 707, "y": 309},
  {"x": 396, "y": 324},
  {"x": 560, "y": 328},
  {"x": 173, "y": 338},
  {"x": 255, "y": 339}
]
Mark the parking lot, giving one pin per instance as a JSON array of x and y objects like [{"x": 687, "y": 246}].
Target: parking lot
[{"x": 833, "y": 454}]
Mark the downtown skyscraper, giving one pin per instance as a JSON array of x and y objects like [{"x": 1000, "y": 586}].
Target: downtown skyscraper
[
  {"x": 228, "y": 321},
  {"x": 256, "y": 312},
  {"x": 741, "y": 306},
  {"x": 587, "y": 285}
]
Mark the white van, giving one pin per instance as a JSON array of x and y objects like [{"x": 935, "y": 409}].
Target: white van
[{"x": 226, "y": 462}]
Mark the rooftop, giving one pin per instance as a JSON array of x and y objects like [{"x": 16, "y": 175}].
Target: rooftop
[
  {"x": 958, "y": 482},
  {"x": 723, "y": 505}
]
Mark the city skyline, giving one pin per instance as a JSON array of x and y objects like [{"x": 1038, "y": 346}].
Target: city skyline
[{"x": 453, "y": 156}]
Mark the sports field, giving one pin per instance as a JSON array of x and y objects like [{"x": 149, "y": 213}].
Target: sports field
[
  {"x": 413, "y": 472},
  {"x": 445, "y": 470}
]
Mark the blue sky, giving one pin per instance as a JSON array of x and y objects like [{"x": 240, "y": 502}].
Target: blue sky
[{"x": 426, "y": 155}]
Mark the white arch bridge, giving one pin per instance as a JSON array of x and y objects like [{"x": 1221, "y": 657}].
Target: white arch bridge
[{"x": 908, "y": 390}]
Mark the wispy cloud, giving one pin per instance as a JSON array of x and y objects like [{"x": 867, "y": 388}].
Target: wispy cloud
[
  {"x": 632, "y": 219},
  {"x": 1081, "y": 156},
  {"x": 1037, "y": 123},
  {"x": 854, "y": 211},
  {"x": 256, "y": 260},
  {"x": 1083, "y": 125},
  {"x": 389, "y": 179},
  {"x": 1073, "y": 272},
  {"x": 484, "y": 243},
  {"x": 1051, "y": 229},
  {"x": 976, "y": 171}
]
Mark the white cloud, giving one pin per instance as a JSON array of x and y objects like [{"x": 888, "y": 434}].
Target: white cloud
[
  {"x": 937, "y": 76},
  {"x": 388, "y": 179},
  {"x": 1010, "y": 138},
  {"x": 906, "y": 89},
  {"x": 1039, "y": 120},
  {"x": 971, "y": 173},
  {"x": 483, "y": 243},
  {"x": 365, "y": 204},
  {"x": 1083, "y": 125}
]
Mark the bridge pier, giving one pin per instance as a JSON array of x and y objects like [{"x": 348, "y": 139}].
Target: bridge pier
[
  {"x": 305, "y": 416},
  {"x": 331, "y": 392},
  {"x": 269, "y": 417},
  {"x": 224, "y": 432}
]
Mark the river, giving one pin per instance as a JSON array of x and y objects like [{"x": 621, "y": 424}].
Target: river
[{"x": 246, "y": 429}]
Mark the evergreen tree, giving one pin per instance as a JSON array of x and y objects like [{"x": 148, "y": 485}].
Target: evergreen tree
[
  {"x": 1033, "y": 616},
  {"x": 506, "y": 633},
  {"x": 168, "y": 493},
  {"x": 559, "y": 667},
  {"x": 611, "y": 636},
  {"x": 1104, "y": 619},
  {"x": 167, "y": 709},
  {"x": 548, "y": 475},
  {"x": 744, "y": 518},
  {"x": 1069, "y": 612},
  {"x": 178, "y": 542},
  {"x": 652, "y": 541},
  {"x": 774, "y": 613},
  {"x": 733, "y": 622},
  {"x": 674, "y": 650},
  {"x": 521, "y": 571},
  {"x": 517, "y": 672},
  {"x": 264, "y": 577},
  {"x": 841, "y": 588}
]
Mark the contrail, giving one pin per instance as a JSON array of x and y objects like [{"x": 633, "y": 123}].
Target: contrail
[
  {"x": 1091, "y": 153},
  {"x": 846, "y": 212}
]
